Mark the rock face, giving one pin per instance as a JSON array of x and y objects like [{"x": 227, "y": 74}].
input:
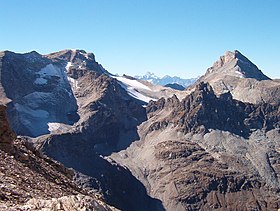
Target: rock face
[
  {"x": 26, "y": 175},
  {"x": 234, "y": 73}
]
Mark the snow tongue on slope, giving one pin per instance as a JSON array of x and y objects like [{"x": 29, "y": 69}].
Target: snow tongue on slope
[{"x": 133, "y": 88}]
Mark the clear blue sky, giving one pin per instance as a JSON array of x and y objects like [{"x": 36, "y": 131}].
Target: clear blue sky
[{"x": 175, "y": 37}]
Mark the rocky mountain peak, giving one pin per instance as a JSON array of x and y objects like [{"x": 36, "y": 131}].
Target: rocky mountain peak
[
  {"x": 82, "y": 55},
  {"x": 72, "y": 55},
  {"x": 76, "y": 62},
  {"x": 227, "y": 57},
  {"x": 235, "y": 73},
  {"x": 236, "y": 64}
]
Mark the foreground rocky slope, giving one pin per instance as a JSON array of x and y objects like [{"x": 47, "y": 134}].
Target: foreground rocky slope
[{"x": 31, "y": 181}]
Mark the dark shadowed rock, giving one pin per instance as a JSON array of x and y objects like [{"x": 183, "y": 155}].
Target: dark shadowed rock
[{"x": 175, "y": 86}]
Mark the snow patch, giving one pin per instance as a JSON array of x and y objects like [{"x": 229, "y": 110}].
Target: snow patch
[
  {"x": 50, "y": 70},
  {"x": 132, "y": 83},
  {"x": 46, "y": 73},
  {"x": 69, "y": 64},
  {"x": 132, "y": 87},
  {"x": 239, "y": 74},
  {"x": 40, "y": 81},
  {"x": 36, "y": 113},
  {"x": 73, "y": 82},
  {"x": 53, "y": 126},
  {"x": 133, "y": 93},
  {"x": 36, "y": 99}
]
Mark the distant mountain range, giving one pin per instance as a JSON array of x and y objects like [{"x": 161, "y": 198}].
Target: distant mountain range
[{"x": 151, "y": 77}]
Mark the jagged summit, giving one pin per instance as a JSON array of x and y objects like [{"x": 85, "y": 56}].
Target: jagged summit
[{"x": 235, "y": 64}]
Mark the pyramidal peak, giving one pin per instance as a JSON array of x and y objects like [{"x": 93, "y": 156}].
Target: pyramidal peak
[
  {"x": 228, "y": 57},
  {"x": 234, "y": 63}
]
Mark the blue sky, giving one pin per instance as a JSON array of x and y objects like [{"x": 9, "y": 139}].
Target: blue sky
[{"x": 175, "y": 37}]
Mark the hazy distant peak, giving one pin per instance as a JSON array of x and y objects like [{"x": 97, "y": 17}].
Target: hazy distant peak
[{"x": 151, "y": 77}]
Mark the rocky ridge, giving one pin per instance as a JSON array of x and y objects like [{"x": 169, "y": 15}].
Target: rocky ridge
[{"x": 202, "y": 108}]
